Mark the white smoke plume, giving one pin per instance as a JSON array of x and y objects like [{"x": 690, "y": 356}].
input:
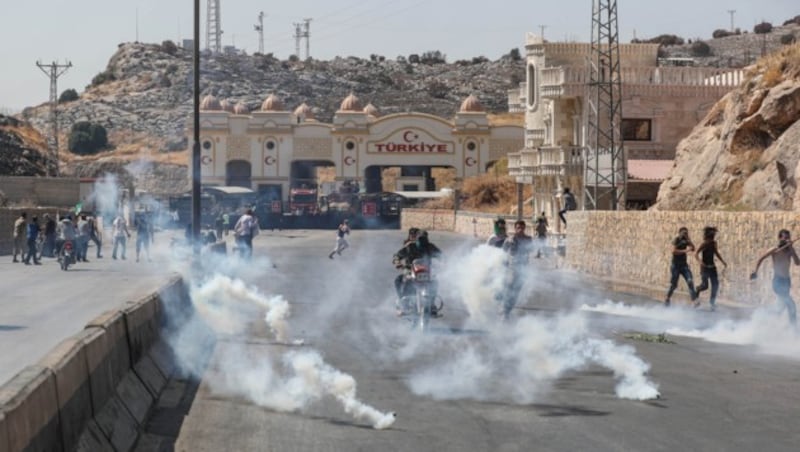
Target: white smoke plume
[
  {"x": 768, "y": 329},
  {"x": 228, "y": 305},
  {"x": 519, "y": 361}
]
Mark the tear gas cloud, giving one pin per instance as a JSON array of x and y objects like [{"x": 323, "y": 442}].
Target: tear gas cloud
[{"x": 228, "y": 305}]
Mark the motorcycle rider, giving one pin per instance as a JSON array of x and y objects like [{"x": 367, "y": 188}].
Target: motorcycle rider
[
  {"x": 421, "y": 248},
  {"x": 65, "y": 232}
]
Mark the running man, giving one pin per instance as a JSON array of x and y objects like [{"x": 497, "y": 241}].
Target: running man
[
  {"x": 708, "y": 270},
  {"x": 341, "y": 242},
  {"x": 782, "y": 257},
  {"x": 681, "y": 246}
]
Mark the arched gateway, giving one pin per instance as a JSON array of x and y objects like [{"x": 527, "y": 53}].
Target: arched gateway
[{"x": 276, "y": 142}]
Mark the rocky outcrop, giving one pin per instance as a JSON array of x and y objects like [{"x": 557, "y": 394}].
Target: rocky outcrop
[
  {"x": 744, "y": 155},
  {"x": 22, "y": 149}
]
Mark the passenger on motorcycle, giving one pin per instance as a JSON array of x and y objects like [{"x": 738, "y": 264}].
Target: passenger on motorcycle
[{"x": 420, "y": 248}]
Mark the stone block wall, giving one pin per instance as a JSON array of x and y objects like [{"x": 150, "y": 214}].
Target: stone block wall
[
  {"x": 632, "y": 249},
  {"x": 41, "y": 191}
]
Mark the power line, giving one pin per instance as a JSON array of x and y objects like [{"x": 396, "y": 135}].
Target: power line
[{"x": 54, "y": 71}]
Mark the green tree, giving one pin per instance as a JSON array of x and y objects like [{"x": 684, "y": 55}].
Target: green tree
[
  {"x": 87, "y": 138},
  {"x": 68, "y": 96}
]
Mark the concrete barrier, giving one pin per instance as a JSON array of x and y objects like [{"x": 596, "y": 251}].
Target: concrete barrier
[
  {"x": 94, "y": 391},
  {"x": 4, "y": 441},
  {"x": 68, "y": 364},
  {"x": 30, "y": 406}
]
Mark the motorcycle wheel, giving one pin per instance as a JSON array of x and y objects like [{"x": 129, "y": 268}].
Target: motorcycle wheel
[{"x": 64, "y": 263}]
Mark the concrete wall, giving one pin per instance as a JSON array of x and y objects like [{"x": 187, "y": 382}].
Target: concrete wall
[
  {"x": 94, "y": 390},
  {"x": 632, "y": 249},
  {"x": 41, "y": 191}
]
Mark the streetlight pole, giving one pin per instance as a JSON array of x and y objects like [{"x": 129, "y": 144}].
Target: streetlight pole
[{"x": 196, "y": 137}]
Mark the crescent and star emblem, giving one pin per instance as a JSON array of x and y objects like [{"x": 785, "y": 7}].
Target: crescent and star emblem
[
  {"x": 269, "y": 160},
  {"x": 409, "y": 136},
  {"x": 470, "y": 161},
  {"x": 349, "y": 160},
  {"x": 205, "y": 160}
]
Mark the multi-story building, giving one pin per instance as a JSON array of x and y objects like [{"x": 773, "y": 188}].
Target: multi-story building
[{"x": 662, "y": 101}]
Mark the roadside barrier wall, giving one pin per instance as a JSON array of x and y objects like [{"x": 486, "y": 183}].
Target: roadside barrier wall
[
  {"x": 94, "y": 390},
  {"x": 631, "y": 250}
]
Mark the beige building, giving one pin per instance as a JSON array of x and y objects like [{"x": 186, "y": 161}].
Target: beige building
[
  {"x": 661, "y": 102},
  {"x": 275, "y": 149}
]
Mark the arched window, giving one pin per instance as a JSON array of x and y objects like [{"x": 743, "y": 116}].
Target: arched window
[{"x": 532, "y": 87}]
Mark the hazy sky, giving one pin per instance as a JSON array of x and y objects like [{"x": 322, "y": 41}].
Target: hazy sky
[{"x": 86, "y": 32}]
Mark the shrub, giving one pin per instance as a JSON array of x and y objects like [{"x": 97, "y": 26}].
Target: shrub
[
  {"x": 413, "y": 58},
  {"x": 721, "y": 33},
  {"x": 701, "y": 49},
  {"x": 514, "y": 54},
  {"x": 666, "y": 40},
  {"x": 169, "y": 47},
  {"x": 788, "y": 38},
  {"x": 433, "y": 57},
  {"x": 763, "y": 27},
  {"x": 794, "y": 20},
  {"x": 437, "y": 89},
  {"x": 103, "y": 77},
  {"x": 479, "y": 59},
  {"x": 68, "y": 96},
  {"x": 87, "y": 138}
]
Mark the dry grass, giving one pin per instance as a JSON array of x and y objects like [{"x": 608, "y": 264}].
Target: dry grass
[
  {"x": 506, "y": 119},
  {"x": 778, "y": 66}
]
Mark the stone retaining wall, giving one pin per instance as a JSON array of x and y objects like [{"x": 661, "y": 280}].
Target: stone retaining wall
[{"x": 632, "y": 249}]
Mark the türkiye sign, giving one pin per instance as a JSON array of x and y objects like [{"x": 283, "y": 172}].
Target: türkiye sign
[{"x": 410, "y": 141}]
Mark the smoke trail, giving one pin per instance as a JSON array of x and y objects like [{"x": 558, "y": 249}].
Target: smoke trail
[
  {"x": 474, "y": 278},
  {"x": 517, "y": 362},
  {"x": 767, "y": 329},
  {"x": 228, "y": 305}
]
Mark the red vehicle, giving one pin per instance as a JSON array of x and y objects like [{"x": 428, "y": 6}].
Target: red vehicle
[{"x": 303, "y": 201}]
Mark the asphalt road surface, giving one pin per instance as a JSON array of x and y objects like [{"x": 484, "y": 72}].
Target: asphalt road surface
[
  {"x": 42, "y": 305},
  {"x": 545, "y": 380}
]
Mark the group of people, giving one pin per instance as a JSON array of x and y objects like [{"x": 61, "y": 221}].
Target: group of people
[
  {"x": 783, "y": 255},
  {"x": 34, "y": 240}
]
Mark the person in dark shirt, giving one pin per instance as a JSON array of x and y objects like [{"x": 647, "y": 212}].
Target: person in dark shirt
[
  {"x": 421, "y": 248},
  {"x": 519, "y": 247},
  {"x": 708, "y": 270},
  {"x": 31, "y": 236},
  {"x": 681, "y": 246}
]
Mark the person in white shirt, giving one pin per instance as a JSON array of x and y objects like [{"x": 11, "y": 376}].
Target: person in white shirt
[
  {"x": 121, "y": 236},
  {"x": 244, "y": 230}
]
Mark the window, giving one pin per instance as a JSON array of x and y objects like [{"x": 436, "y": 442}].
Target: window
[
  {"x": 531, "y": 81},
  {"x": 270, "y": 145},
  {"x": 206, "y": 145},
  {"x": 636, "y": 129},
  {"x": 349, "y": 145},
  {"x": 471, "y": 146}
]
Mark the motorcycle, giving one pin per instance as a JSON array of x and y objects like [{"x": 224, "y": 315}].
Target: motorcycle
[
  {"x": 67, "y": 255},
  {"x": 420, "y": 297}
]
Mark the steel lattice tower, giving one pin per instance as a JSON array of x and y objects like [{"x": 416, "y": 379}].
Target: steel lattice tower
[
  {"x": 54, "y": 71},
  {"x": 213, "y": 26},
  {"x": 605, "y": 165}
]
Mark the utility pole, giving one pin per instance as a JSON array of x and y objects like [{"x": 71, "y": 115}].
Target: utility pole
[
  {"x": 732, "y": 12},
  {"x": 298, "y": 35},
  {"x": 605, "y": 164},
  {"x": 260, "y": 29},
  {"x": 196, "y": 153},
  {"x": 213, "y": 26},
  {"x": 54, "y": 71},
  {"x": 541, "y": 31},
  {"x": 307, "y": 35}
]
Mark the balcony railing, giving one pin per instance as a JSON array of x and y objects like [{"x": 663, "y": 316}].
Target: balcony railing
[
  {"x": 571, "y": 81},
  {"x": 546, "y": 161}
]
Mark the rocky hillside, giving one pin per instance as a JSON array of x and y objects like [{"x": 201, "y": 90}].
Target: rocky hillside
[
  {"x": 744, "y": 155},
  {"x": 22, "y": 149},
  {"x": 146, "y": 90}
]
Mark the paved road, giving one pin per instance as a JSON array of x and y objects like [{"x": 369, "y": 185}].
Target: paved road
[
  {"x": 543, "y": 381},
  {"x": 42, "y": 305}
]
